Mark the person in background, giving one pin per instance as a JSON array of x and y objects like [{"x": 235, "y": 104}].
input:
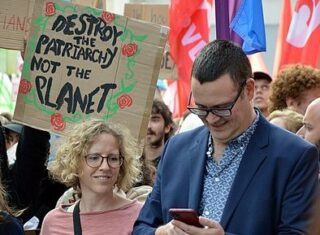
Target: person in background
[
  {"x": 26, "y": 180},
  {"x": 239, "y": 172},
  {"x": 295, "y": 88},
  {"x": 262, "y": 91},
  {"x": 160, "y": 128},
  {"x": 310, "y": 130},
  {"x": 12, "y": 133},
  {"x": 9, "y": 224},
  {"x": 188, "y": 122},
  {"x": 287, "y": 119},
  {"x": 94, "y": 158}
]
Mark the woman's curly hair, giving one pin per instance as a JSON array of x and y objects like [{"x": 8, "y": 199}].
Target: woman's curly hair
[
  {"x": 66, "y": 169},
  {"x": 291, "y": 82}
]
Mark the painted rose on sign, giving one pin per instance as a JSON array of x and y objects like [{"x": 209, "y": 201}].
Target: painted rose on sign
[
  {"x": 129, "y": 49},
  {"x": 25, "y": 86},
  {"x": 50, "y": 9},
  {"x": 57, "y": 122},
  {"x": 107, "y": 17},
  {"x": 124, "y": 101}
]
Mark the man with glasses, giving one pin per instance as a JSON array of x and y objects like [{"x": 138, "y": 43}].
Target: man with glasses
[{"x": 240, "y": 173}]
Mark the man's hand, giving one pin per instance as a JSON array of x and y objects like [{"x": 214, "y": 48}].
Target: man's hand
[
  {"x": 176, "y": 227},
  {"x": 169, "y": 229}
]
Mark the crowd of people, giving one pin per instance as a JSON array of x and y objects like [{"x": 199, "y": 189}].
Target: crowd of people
[{"x": 245, "y": 158}]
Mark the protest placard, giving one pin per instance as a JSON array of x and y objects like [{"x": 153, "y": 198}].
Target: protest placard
[
  {"x": 83, "y": 63},
  {"x": 155, "y": 13},
  {"x": 89, "y": 3},
  {"x": 15, "y": 20}
]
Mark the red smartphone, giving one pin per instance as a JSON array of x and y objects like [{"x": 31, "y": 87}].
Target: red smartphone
[{"x": 188, "y": 216}]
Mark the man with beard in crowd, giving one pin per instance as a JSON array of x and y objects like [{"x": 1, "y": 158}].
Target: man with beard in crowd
[{"x": 160, "y": 128}]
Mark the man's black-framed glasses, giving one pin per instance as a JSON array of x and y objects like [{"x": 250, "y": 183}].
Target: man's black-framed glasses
[
  {"x": 95, "y": 160},
  {"x": 225, "y": 111}
]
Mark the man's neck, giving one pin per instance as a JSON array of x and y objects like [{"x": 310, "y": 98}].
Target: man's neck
[
  {"x": 265, "y": 112},
  {"x": 151, "y": 152}
]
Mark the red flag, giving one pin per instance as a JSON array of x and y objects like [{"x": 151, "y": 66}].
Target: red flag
[
  {"x": 189, "y": 33},
  {"x": 302, "y": 40},
  {"x": 282, "y": 34}
]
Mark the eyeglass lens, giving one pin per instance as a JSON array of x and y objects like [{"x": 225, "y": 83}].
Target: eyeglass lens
[{"x": 95, "y": 160}]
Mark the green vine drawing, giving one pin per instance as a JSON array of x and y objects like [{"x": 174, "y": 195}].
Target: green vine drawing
[{"x": 126, "y": 84}]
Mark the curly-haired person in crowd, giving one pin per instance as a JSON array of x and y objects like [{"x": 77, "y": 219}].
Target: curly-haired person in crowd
[{"x": 295, "y": 88}]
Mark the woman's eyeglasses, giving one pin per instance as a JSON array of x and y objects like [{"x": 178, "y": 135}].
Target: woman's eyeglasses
[{"x": 95, "y": 160}]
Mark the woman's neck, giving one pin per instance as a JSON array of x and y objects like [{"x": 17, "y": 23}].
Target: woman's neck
[{"x": 93, "y": 203}]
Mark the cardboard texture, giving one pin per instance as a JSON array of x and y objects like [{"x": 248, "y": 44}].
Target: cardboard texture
[
  {"x": 88, "y": 3},
  {"x": 83, "y": 63},
  {"x": 155, "y": 13},
  {"x": 15, "y": 22}
]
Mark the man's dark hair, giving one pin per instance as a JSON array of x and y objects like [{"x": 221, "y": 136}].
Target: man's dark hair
[
  {"x": 221, "y": 57},
  {"x": 159, "y": 107}
]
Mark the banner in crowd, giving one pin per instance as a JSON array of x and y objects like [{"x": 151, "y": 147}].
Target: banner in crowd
[
  {"x": 83, "y": 63},
  {"x": 285, "y": 19},
  {"x": 302, "y": 28},
  {"x": 189, "y": 33}
]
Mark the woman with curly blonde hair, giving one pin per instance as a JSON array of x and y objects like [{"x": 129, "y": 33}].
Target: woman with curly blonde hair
[
  {"x": 94, "y": 158},
  {"x": 295, "y": 87}
]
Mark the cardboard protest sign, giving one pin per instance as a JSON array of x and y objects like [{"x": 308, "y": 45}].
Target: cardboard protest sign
[
  {"x": 15, "y": 20},
  {"x": 83, "y": 63},
  {"x": 155, "y": 13},
  {"x": 89, "y": 3}
]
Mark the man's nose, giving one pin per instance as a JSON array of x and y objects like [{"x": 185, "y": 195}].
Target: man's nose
[
  {"x": 212, "y": 118},
  {"x": 258, "y": 89}
]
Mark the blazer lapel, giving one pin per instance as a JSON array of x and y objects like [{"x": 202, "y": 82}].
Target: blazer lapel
[
  {"x": 197, "y": 153},
  {"x": 250, "y": 163}
]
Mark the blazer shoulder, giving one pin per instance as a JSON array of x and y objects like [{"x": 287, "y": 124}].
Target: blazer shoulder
[{"x": 191, "y": 135}]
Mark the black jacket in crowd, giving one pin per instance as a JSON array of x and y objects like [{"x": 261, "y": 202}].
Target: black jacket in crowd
[{"x": 27, "y": 181}]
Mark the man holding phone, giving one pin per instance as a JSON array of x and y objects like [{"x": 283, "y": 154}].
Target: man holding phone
[{"x": 239, "y": 172}]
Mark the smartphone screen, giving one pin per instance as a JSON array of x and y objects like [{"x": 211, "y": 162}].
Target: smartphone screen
[{"x": 188, "y": 216}]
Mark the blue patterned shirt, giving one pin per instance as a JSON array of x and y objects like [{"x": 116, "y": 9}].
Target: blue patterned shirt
[{"x": 219, "y": 176}]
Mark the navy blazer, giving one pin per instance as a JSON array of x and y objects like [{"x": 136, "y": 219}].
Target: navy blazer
[{"x": 272, "y": 193}]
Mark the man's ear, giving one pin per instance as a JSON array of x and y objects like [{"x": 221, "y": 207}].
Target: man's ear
[
  {"x": 249, "y": 88},
  {"x": 292, "y": 103},
  {"x": 167, "y": 129}
]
